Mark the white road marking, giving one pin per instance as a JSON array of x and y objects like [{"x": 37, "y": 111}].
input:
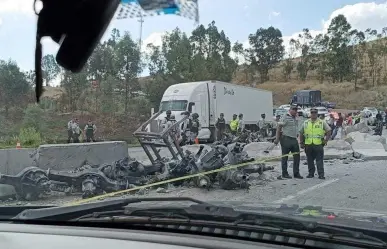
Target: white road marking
[{"x": 302, "y": 192}]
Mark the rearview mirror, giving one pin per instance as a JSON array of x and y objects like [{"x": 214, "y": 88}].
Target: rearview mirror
[{"x": 191, "y": 107}]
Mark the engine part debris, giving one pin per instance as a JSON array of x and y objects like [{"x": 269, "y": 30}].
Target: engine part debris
[{"x": 29, "y": 184}]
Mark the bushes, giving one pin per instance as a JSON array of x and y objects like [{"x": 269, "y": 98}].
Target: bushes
[{"x": 28, "y": 137}]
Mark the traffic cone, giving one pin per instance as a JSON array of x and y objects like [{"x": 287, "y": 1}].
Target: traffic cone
[
  {"x": 196, "y": 140},
  {"x": 18, "y": 146}
]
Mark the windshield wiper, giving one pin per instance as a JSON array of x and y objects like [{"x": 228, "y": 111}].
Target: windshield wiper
[
  {"x": 212, "y": 216},
  {"x": 66, "y": 213}
]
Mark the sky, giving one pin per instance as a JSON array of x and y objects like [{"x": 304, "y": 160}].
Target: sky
[{"x": 18, "y": 22}]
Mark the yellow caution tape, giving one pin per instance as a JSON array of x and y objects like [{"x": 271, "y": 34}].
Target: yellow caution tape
[{"x": 112, "y": 194}]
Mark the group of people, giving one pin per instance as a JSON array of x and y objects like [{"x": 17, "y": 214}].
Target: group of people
[
  {"x": 187, "y": 133},
  {"x": 74, "y": 131},
  {"x": 311, "y": 135},
  {"x": 237, "y": 125}
]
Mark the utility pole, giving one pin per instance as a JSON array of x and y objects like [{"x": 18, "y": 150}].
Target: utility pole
[{"x": 141, "y": 21}]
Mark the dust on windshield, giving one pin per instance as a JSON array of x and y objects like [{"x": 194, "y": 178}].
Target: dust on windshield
[{"x": 104, "y": 119}]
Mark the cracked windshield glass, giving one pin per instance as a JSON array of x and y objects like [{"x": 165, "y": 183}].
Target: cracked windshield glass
[{"x": 275, "y": 105}]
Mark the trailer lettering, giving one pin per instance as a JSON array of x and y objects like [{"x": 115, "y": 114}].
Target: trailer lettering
[{"x": 228, "y": 91}]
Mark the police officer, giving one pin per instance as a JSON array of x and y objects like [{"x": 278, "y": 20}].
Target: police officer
[
  {"x": 262, "y": 125},
  {"x": 314, "y": 134},
  {"x": 220, "y": 127},
  {"x": 90, "y": 130},
  {"x": 175, "y": 131},
  {"x": 165, "y": 120},
  {"x": 76, "y": 131},
  {"x": 70, "y": 130},
  {"x": 185, "y": 129},
  {"x": 194, "y": 127},
  {"x": 275, "y": 125},
  {"x": 234, "y": 124},
  {"x": 287, "y": 133}
]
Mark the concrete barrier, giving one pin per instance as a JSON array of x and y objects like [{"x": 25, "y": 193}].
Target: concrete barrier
[
  {"x": 361, "y": 127},
  {"x": 369, "y": 150},
  {"x": 336, "y": 149},
  {"x": 70, "y": 156},
  {"x": 12, "y": 161}
]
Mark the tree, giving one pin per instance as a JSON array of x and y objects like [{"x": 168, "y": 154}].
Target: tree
[
  {"x": 339, "y": 56},
  {"x": 211, "y": 52},
  {"x": 289, "y": 64},
  {"x": 266, "y": 50},
  {"x": 374, "y": 53},
  {"x": 358, "y": 50},
  {"x": 320, "y": 55},
  {"x": 13, "y": 85},
  {"x": 50, "y": 68},
  {"x": 74, "y": 85},
  {"x": 304, "y": 45},
  {"x": 128, "y": 64}
]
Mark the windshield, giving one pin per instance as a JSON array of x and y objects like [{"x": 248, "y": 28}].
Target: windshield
[
  {"x": 234, "y": 63},
  {"x": 174, "y": 105}
]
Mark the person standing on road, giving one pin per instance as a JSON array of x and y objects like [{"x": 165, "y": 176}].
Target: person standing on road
[
  {"x": 90, "y": 130},
  {"x": 195, "y": 127},
  {"x": 338, "y": 126},
  {"x": 314, "y": 135},
  {"x": 275, "y": 125},
  {"x": 234, "y": 124},
  {"x": 164, "y": 121},
  {"x": 379, "y": 125},
  {"x": 70, "y": 130},
  {"x": 220, "y": 127},
  {"x": 241, "y": 123},
  {"x": 262, "y": 126},
  {"x": 77, "y": 131},
  {"x": 287, "y": 133},
  {"x": 185, "y": 129}
]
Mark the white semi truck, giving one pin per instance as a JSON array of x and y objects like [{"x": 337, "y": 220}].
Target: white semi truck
[{"x": 210, "y": 98}]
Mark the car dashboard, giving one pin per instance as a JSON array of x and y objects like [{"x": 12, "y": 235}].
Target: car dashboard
[{"x": 20, "y": 236}]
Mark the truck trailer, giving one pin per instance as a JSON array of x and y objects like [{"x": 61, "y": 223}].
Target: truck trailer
[{"x": 210, "y": 98}]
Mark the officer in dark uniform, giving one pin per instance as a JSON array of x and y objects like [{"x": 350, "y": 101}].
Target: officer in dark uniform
[
  {"x": 287, "y": 134},
  {"x": 90, "y": 130},
  {"x": 220, "y": 127}
]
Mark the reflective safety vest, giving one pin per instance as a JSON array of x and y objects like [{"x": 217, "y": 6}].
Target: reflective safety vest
[
  {"x": 234, "y": 124},
  {"x": 314, "y": 132}
]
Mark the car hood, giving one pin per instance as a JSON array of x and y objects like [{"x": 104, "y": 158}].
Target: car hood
[{"x": 319, "y": 213}]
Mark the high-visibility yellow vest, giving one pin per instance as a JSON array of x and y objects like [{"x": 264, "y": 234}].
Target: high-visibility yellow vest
[
  {"x": 234, "y": 124},
  {"x": 314, "y": 132}
]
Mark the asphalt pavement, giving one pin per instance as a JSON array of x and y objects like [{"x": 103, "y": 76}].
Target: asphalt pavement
[{"x": 348, "y": 184}]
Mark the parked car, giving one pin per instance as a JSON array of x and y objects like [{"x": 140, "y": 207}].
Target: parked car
[
  {"x": 371, "y": 113},
  {"x": 320, "y": 111}
]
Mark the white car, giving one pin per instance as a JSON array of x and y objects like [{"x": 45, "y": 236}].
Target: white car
[
  {"x": 371, "y": 111},
  {"x": 286, "y": 107},
  {"x": 320, "y": 111}
]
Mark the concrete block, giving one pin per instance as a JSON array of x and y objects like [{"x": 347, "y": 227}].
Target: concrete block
[
  {"x": 70, "y": 156},
  {"x": 7, "y": 191},
  {"x": 12, "y": 161},
  {"x": 374, "y": 138},
  {"x": 362, "y": 127},
  {"x": 370, "y": 150},
  {"x": 357, "y": 136},
  {"x": 337, "y": 149}
]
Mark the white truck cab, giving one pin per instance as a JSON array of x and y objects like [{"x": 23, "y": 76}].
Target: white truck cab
[{"x": 210, "y": 98}]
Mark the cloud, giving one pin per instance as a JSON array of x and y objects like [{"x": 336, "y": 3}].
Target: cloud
[
  {"x": 17, "y": 6},
  {"x": 361, "y": 16},
  {"x": 274, "y": 14},
  {"x": 155, "y": 38}
]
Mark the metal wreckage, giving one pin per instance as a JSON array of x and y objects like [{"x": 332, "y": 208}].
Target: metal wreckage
[{"x": 33, "y": 183}]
